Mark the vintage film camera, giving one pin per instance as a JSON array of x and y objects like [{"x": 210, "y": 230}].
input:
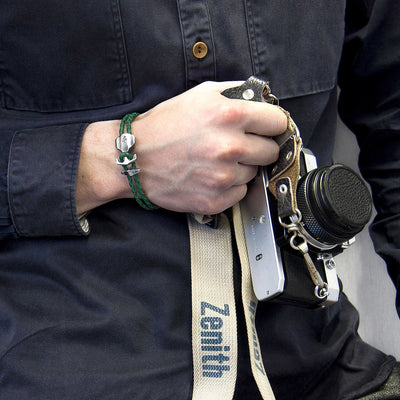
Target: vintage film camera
[{"x": 297, "y": 217}]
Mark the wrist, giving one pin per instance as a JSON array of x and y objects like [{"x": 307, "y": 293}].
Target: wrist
[
  {"x": 125, "y": 143},
  {"x": 99, "y": 180}
]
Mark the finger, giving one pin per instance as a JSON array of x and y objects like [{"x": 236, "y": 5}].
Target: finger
[
  {"x": 262, "y": 118},
  {"x": 257, "y": 117},
  {"x": 234, "y": 195},
  {"x": 244, "y": 174},
  {"x": 230, "y": 197},
  {"x": 221, "y": 86},
  {"x": 259, "y": 150}
]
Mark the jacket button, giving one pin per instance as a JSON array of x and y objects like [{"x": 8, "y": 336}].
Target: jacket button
[{"x": 200, "y": 50}]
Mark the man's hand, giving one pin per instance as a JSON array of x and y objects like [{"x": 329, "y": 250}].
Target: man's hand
[{"x": 197, "y": 151}]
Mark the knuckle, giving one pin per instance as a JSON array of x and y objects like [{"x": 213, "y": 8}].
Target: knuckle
[
  {"x": 229, "y": 113},
  {"x": 229, "y": 148},
  {"x": 209, "y": 206},
  {"x": 221, "y": 179}
]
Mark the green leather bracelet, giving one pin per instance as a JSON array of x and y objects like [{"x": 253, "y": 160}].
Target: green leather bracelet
[{"x": 125, "y": 143}]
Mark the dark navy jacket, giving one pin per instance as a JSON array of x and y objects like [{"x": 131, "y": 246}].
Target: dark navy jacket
[{"x": 107, "y": 315}]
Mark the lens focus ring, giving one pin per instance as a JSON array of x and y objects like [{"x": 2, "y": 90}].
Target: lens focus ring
[{"x": 335, "y": 203}]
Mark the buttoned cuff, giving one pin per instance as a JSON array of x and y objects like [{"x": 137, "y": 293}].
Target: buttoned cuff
[{"x": 41, "y": 181}]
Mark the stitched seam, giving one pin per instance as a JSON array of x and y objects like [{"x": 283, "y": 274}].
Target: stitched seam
[
  {"x": 251, "y": 35},
  {"x": 9, "y": 184},
  {"x": 121, "y": 46},
  {"x": 74, "y": 172},
  {"x": 2, "y": 85},
  {"x": 183, "y": 43},
  {"x": 2, "y": 94},
  {"x": 212, "y": 38}
]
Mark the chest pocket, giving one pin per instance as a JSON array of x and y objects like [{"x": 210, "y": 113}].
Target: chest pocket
[
  {"x": 296, "y": 44},
  {"x": 58, "y": 55}
]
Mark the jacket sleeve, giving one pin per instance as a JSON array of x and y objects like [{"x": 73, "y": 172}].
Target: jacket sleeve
[
  {"x": 369, "y": 104},
  {"x": 38, "y": 170}
]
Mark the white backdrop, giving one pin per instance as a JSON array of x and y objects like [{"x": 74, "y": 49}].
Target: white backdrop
[{"x": 364, "y": 274}]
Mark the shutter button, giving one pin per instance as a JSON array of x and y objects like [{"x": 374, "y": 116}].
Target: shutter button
[{"x": 200, "y": 50}]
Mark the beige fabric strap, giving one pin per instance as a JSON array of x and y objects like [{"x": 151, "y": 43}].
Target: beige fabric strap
[
  {"x": 250, "y": 306},
  {"x": 214, "y": 331}
]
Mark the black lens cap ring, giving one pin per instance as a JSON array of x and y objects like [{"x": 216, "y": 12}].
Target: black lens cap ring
[{"x": 335, "y": 203}]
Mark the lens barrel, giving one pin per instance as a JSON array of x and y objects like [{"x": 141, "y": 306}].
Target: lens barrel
[{"x": 335, "y": 204}]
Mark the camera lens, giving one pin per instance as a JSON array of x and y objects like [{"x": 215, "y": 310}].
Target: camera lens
[{"x": 335, "y": 204}]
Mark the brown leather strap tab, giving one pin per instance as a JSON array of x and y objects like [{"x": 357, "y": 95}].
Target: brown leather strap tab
[
  {"x": 287, "y": 166},
  {"x": 286, "y": 202}
]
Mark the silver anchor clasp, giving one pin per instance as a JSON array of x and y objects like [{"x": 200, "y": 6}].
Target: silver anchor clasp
[
  {"x": 131, "y": 171},
  {"x": 127, "y": 161},
  {"x": 125, "y": 142}
]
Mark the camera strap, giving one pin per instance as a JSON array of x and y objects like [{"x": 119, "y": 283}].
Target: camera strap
[
  {"x": 283, "y": 180},
  {"x": 214, "y": 327},
  {"x": 214, "y": 341}
]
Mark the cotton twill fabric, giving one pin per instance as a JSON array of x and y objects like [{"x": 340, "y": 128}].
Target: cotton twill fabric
[
  {"x": 107, "y": 315},
  {"x": 74, "y": 329}
]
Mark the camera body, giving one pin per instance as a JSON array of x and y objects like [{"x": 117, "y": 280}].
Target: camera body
[
  {"x": 297, "y": 217},
  {"x": 279, "y": 273}
]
